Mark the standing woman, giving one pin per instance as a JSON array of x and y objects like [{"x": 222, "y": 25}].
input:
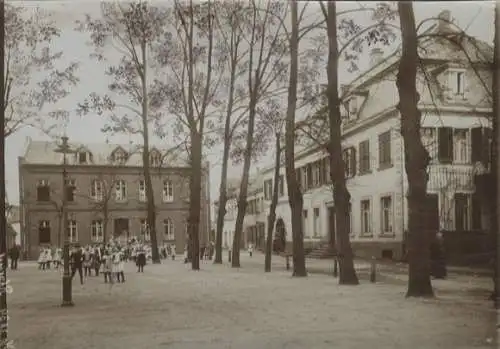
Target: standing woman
[{"x": 107, "y": 266}]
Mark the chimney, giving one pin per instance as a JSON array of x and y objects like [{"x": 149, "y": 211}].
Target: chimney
[
  {"x": 376, "y": 56},
  {"x": 444, "y": 18}
]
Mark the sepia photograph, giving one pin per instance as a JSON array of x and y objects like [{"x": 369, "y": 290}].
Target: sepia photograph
[{"x": 249, "y": 174}]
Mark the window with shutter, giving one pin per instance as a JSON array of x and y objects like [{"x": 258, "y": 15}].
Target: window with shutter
[
  {"x": 384, "y": 150},
  {"x": 353, "y": 161},
  {"x": 476, "y": 144},
  {"x": 364, "y": 157},
  {"x": 445, "y": 147}
]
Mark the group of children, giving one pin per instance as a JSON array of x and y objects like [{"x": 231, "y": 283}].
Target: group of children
[{"x": 49, "y": 256}]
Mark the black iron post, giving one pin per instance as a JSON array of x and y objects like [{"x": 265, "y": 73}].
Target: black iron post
[{"x": 67, "y": 296}]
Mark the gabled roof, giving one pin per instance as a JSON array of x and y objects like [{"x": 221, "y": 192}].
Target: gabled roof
[{"x": 43, "y": 153}]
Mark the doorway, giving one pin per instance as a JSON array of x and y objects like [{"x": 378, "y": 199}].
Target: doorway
[
  {"x": 121, "y": 227},
  {"x": 280, "y": 236}
]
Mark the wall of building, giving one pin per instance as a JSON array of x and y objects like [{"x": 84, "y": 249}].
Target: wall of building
[{"x": 84, "y": 209}]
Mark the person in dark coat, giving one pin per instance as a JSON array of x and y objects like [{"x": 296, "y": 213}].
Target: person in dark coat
[
  {"x": 14, "y": 257},
  {"x": 77, "y": 263},
  {"x": 438, "y": 258},
  {"x": 141, "y": 259}
]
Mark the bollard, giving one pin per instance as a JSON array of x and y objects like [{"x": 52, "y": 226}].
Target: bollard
[
  {"x": 173, "y": 257},
  {"x": 373, "y": 270},
  {"x": 335, "y": 267},
  {"x": 229, "y": 256},
  {"x": 287, "y": 259}
]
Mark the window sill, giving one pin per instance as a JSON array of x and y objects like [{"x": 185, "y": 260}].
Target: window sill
[
  {"x": 366, "y": 172},
  {"x": 387, "y": 235},
  {"x": 121, "y": 201},
  {"x": 167, "y": 201},
  {"x": 385, "y": 166},
  {"x": 366, "y": 236}
]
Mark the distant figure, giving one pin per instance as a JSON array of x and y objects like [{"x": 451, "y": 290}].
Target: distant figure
[
  {"x": 48, "y": 258},
  {"x": 77, "y": 260},
  {"x": 107, "y": 267},
  {"x": 14, "y": 257},
  {"x": 87, "y": 261},
  {"x": 185, "y": 254},
  {"x": 141, "y": 259},
  {"x": 57, "y": 258},
  {"x": 250, "y": 249},
  {"x": 438, "y": 258}
]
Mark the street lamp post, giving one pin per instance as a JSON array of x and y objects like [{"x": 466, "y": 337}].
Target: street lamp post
[{"x": 67, "y": 300}]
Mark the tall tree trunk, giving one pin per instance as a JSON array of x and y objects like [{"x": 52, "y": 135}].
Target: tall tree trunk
[
  {"x": 221, "y": 210},
  {"x": 495, "y": 163},
  {"x": 195, "y": 200},
  {"x": 272, "y": 210},
  {"x": 294, "y": 194},
  {"x": 225, "y": 160},
  {"x": 105, "y": 228},
  {"x": 416, "y": 158},
  {"x": 341, "y": 196},
  {"x": 151, "y": 217},
  {"x": 3, "y": 221},
  {"x": 242, "y": 196}
]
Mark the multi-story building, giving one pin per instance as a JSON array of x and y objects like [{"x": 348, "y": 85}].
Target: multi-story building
[
  {"x": 254, "y": 221},
  {"x": 455, "y": 102},
  {"x": 106, "y": 196}
]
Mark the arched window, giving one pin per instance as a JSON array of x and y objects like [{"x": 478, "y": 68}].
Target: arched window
[{"x": 168, "y": 229}]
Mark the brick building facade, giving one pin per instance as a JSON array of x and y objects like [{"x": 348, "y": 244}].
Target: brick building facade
[{"x": 107, "y": 195}]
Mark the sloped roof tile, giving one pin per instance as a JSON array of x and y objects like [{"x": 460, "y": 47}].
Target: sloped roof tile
[{"x": 44, "y": 153}]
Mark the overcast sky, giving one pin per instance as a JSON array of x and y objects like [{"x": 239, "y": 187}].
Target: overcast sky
[{"x": 476, "y": 16}]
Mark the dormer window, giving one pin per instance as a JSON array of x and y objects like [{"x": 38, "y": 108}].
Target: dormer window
[
  {"x": 456, "y": 83},
  {"x": 119, "y": 156},
  {"x": 459, "y": 83},
  {"x": 351, "y": 108},
  {"x": 352, "y": 104},
  {"x": 82, "y": 157},
  {"x": 155, "y": 158}
]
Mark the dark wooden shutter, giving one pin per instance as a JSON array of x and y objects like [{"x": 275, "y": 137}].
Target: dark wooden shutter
[
  {"x": 487, "y": 144},
  {"x": 476, "y": 212},
  {"x": 445, "y": 143},
  {"x": 309, "y": 176},
  {"x": 352, "y": 154},
  {"x": 476, "y": 144},
  {"x": 345, "y": 160}
]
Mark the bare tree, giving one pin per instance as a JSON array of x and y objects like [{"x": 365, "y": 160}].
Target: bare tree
[
  {"x": 134, "y": 30},
  {"x": 416, "y": 156},
  {"x": 229, "y": 22},
  {"x": 266, "y": 70},
  {"x": 191, "y": 83},
  {"x": 31, "y": 61},
  {"x": 272, "y": 121}
]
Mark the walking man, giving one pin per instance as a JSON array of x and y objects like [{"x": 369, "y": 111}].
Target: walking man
[{"x": 14, "y": 257}]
